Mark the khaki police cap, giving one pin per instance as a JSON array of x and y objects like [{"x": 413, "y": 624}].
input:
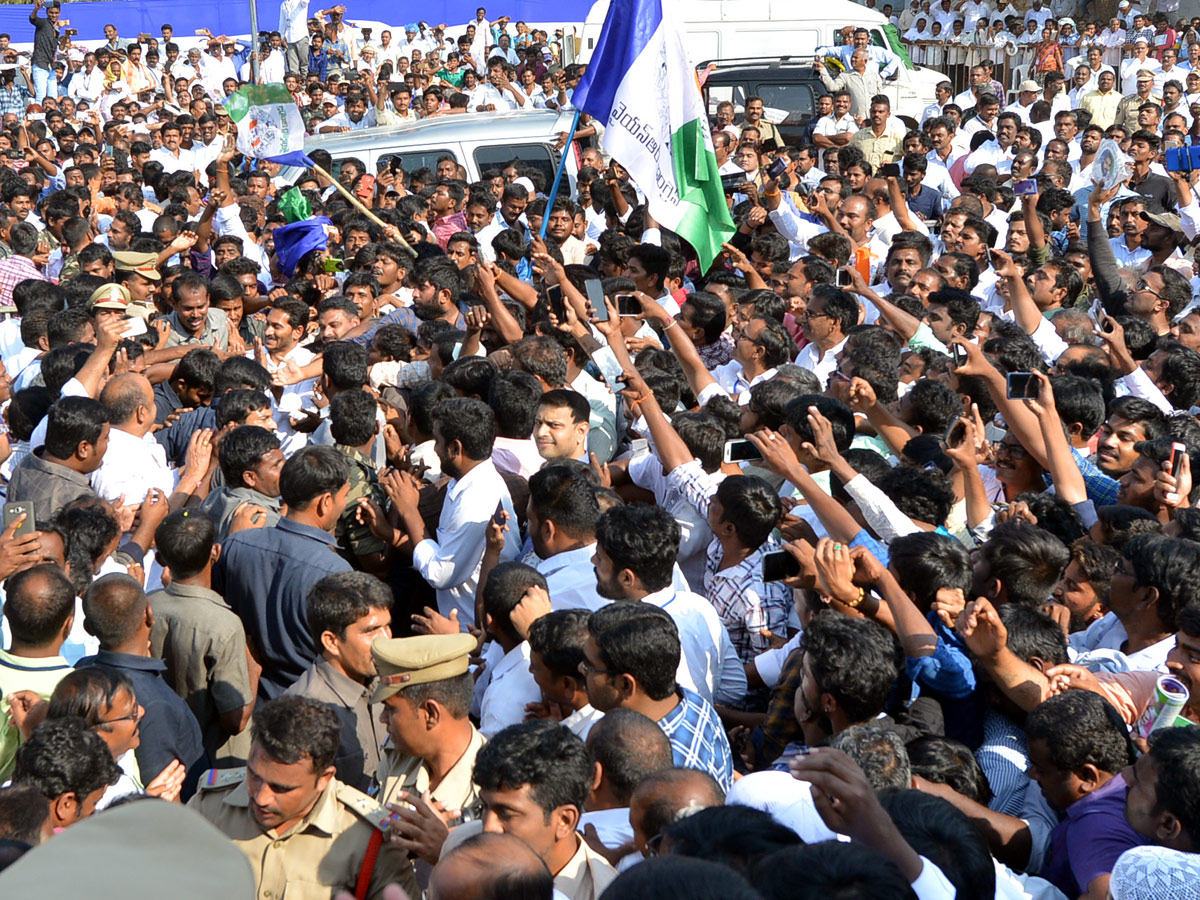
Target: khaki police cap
[
  {"x": 110, "y": 296},
  {"x": 419, "y": 660},
  {"x": 145, "y": 264},
  {"x": 147, "y": 848}
]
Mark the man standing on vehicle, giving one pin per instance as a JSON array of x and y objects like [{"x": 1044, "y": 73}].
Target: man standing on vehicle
[
  {"x": 858, "y": 80},
  {"x": 888, "y": 63}
]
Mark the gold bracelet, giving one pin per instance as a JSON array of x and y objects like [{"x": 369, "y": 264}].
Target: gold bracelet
[{"x": 858, "y": 602}]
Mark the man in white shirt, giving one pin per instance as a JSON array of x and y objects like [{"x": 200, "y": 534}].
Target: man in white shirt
[
  {"x": 943, "y": 91},
  {"x": 137, "y": 463},
  {"x": 465, "y": 430},
  {"x": 1140, "y": 60},
  {"x": 356, "y": 116},
  {"x": 836, "y": 130},
  {"x": 824, "y": 323},
  {"x": 293, "y": 27},
  {"x": 506, "y": 687},
  {"x": 173, "y": 157}
]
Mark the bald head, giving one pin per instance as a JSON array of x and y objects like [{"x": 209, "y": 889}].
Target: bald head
[
  {"x": 115, "y": 610},
  {"x": 129, "y": 399},
  {"x": 491, "y": 865},
  {"x": 39, "y": 603},
  {"x": 628, "y": 746},
  {"x": 657, "y": 801}
]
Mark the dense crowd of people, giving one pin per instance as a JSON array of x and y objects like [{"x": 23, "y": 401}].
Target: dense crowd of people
[{"x": 434, "y": 556}]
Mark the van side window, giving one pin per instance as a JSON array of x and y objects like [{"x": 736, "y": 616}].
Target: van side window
[
  {"x": 414, "y": 159},
  {"x": 535, "y": 155},
  {"x": 796, "y": 99}
]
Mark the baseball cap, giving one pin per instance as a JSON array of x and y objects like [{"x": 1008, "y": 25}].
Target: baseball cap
[{"x": 1029, "y": 86}]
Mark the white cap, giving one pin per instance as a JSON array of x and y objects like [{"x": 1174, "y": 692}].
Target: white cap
[{"x": 1029, "y": 86}]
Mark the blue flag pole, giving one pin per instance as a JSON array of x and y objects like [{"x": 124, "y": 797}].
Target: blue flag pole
[{"x": 562, "y": 164}]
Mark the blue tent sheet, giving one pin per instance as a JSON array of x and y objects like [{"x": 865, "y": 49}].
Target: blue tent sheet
[{"x": 134, "y": 16}]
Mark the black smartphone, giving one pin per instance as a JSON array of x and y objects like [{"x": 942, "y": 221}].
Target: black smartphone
[
  {"x": 17, "y": 508},
  {"x": 843, "y": 278},
  {"x": 779, "y": 565},
  {"x": 554, "y": 294},
  {"x": 889, "y": 170},
  {"x": 770, "y": 145},
  {"x": 740, "y": 451},
  {"x": 956, "y": 433},
  {"x": 731, "y": 182},
  {"x": 1178, "y": 452},
  {"x": 1020, "y": 385},
  {"x": 498, "y": 515},
  {"x": 777, "y": 168},
  {"x": 627, "y": 305},
  {"x": 594, "y": 288},
  {"x": 958, "y": 354}
]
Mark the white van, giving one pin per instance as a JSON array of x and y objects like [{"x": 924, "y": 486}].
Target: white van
[
  {"x": 731, "y": 30},
  {"x": 477, "y": 142}
]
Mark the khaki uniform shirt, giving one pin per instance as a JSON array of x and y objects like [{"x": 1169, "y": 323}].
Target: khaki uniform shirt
[
  {"x": 1128, "y": 108},
  {"x": 203, "y": 643},
  {"x": 456, "y": 790},
  {"x": 325, "y": 683},
  {"x": 321, "y": 855}
]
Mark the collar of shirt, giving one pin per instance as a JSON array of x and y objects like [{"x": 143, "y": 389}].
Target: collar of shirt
[
  {"x": 246, "y": 493},
  {"x": 322, "y": 817},
  {"x": 478, "y": 474},
  {"x": 662, "y": 599},
  {"x": 511, "y": 660},
  {"x": 195, "y": 592},
  {"x": 306, "y": 531},
  {"x": 580, "y": 556},
  {"x": 57, "y": 470},
  {"x": 129, "y": 661},
  {"x": 33, "y": 664},
  {"x": 346, "y": 688}
]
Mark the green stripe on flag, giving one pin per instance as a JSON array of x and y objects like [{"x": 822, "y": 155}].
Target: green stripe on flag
[
  {"x": 294, "y": 205},
  {"x": 238, "y": 103},
  {"x": 706, "y": 223}
]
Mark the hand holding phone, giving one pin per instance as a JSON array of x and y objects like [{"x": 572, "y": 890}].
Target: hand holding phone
[
  {"x": 1020, "y": 385},
  {"x": 554, "y": 296},
  {"x": 779, "y": 565},
  {"x": 740, "y": 451},
  {"x": 628, "y": 305}
]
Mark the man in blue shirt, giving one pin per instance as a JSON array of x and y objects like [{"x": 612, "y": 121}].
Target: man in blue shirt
[
  {"x": 631, "y": 657},
  {"x": 265, "y": 574},
  {"x": 117, "y": 613}
]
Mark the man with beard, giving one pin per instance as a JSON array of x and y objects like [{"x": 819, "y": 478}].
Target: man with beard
[
  {"x": 464, "y": 431},
  {"x": 297, "y": 824}
]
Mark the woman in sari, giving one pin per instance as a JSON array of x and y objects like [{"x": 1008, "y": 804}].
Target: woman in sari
[{"x": 1048, "y": 55}]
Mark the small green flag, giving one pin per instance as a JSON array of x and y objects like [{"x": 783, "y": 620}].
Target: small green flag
[{"x": 294, "y": 205}]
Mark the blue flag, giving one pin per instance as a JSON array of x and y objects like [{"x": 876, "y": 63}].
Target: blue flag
[
  {"x": 293, "y": 241},
  {"x": 295, "y": 158}
]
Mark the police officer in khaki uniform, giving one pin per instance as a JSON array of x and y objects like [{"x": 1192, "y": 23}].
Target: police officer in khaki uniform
[
  {"x": 138, "y": 272},
  {"x": 307, "y": 836},
  {"x": 425, "y": 775}
]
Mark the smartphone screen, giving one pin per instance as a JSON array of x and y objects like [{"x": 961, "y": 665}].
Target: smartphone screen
[
  {"x": 740, "y": 451},
  {"x": 554, "y": 294},
  {"x": 627, "y": 305},
  {"x": 889, "y": 170},
  {"x": 779, "y": 565},
  {"x": 595, "y": 294},
  {"x": 1178, "y": 452},
  {"x": 956, "y": 433},
  {"x": 958, "y": 354},
  {"x": 1020, "y": 385},
  {"x": 843, "y": 278}
]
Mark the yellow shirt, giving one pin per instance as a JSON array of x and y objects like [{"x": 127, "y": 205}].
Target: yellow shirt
[
  {"x": 885, "y": 148},
  {"x": 1103, "y": 107}
]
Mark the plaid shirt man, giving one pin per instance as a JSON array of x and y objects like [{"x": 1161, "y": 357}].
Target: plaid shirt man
[
  {"x": 14, "y": 99},
  {"x": 747, "y": 606},
  {"x": 13, "y": 271},
  {"x": 698, "y": 739}
]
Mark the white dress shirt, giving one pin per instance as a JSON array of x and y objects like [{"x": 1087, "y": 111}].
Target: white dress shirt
[
  {"x": 450, "y": 561},
  {"x": 131, "y": 467},
  {"x": 1127, "y": 258},
  {"x": 731, "y": 380},
  {"x": 708, "y": 662},
  {"x": 184, "y": 162},
  {"x": 822, "y": 367},
  {"x": 508, "y": 690},
  {"x": 571, "y": 579},
  {"x": 517, "y": 457},
  {"x": 580, "y": 722}
]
